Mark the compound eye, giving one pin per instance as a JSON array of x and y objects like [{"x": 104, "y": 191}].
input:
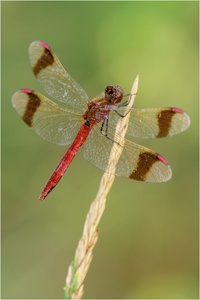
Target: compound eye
[{"x": 109, "y": 90}]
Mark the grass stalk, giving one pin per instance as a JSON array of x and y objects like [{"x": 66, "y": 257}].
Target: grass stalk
[{"x": 84, "y": 253}]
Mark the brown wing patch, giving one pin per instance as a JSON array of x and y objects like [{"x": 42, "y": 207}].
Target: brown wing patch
[
  {"x": 144, "y": 164},
  {"x": 164, "y": 122},
  {"x": 31, "y": 107},
  {"x": 43, "y": 62}
]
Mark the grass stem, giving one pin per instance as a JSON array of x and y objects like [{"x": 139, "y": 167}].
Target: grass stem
[{"x": 84, "y": 252}]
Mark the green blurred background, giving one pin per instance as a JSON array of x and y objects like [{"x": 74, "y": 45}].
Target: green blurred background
[{"x": 148, "y": 242}]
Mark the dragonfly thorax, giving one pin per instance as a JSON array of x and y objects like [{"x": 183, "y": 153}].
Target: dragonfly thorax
[{"x": 93, "y": 114}]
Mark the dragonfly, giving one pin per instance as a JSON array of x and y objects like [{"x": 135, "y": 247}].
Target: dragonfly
[{"x": 73, "y": 119}]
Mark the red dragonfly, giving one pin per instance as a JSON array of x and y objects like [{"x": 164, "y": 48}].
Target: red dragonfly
[{"x": 77, "y": 120}]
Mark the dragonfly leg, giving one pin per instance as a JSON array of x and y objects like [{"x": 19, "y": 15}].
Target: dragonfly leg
[
  {"x": 105, "y": 132},
  {"x": 124, "y": 104},
  {"x": 121, "y": 115},
  {"x": 104, "y": 124}
]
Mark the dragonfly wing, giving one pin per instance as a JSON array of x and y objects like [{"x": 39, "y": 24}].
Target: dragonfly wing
[
  {"x": 53, "y": 78},
  {"x": 97, "y": 148},
  {"x": 136, "y": 162},
  {"x": 143, "y": 164},
  {"x": 153, "y": 122},
  {"x": 49, "y": 120}
]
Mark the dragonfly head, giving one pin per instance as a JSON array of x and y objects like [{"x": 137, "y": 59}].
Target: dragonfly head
[{"x": 113, "y": 94}]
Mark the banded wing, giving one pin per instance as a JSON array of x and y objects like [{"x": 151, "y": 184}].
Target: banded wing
[
  {"x": 136, "y": 162},
  {"x": 53, "y": 122},
  {"x": 153, "y": 122},
  {"x": 53, "y": 78}
]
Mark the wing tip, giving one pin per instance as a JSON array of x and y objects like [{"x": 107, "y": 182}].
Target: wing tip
[
  {"x": 26, "y": 91},
  {"x": 39, "y": 43}
]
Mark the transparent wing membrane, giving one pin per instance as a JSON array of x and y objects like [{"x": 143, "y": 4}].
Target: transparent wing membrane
[
  {"x": 50, "y": 121},
  {"x": 54, "y": 79},
  {"x": 97, "y": 151}
]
